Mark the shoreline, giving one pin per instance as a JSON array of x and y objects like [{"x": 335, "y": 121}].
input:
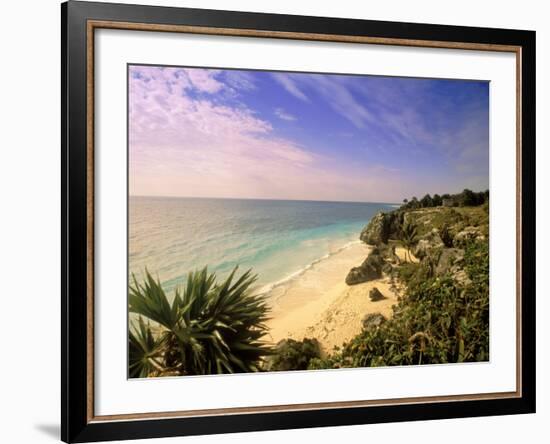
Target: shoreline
[
  {"x": 318, "y": 303},
  {"x": 269, "y": 289}
]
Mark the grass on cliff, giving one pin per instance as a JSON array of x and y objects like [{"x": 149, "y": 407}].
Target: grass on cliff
[
  {"x": 425, "y": 219},
  {"x": 436, "y": 322}
]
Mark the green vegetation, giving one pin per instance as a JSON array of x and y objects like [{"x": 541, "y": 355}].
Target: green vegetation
[
  {"x": 293, "y": 355},
  {"x": 454, "y": 220},
  {"x": 408, "y": 238},
  {"x": 208, "y": 328},
  {"x": 467, "y": 198},
  {"x": 441, "y": 317},
  {"x": 436, "y": 322}
]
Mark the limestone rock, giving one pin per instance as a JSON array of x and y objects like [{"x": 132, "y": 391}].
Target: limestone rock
[
  {"x": 369, "y": 270},
  {"x": 428, "y": 244},
  {"x": 363, "y": 273},
  {"x": 450, "y": 259},
  {"x": 466, "y": 235},
  {"x": 375, "y": 295},
  {"x": 378, "y": 230}
]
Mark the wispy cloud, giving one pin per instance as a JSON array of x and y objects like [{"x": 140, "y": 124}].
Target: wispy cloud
[
  {"x": 193, "y": 146},
  {"x": 204, "y": 80},
  {"x": 209, "y": 132},
  {"x": 289, "y": 84},
  {"x": 340, "y": 98},
  {"x": 240, "y": 80},
  {"x": 283, "y": 115},
  {"x": 332, "y": 89}
]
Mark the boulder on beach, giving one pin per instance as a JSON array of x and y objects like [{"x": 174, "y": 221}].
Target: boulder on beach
[
  {"x": 369, "y": 270},
  {"x": 375, "y": 295},
  {"x": 358, "y": 275}
]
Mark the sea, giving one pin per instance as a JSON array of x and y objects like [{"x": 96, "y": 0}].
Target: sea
[{"x": 277, "y": 239}]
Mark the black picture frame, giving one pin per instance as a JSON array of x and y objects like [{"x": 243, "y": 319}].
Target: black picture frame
[{"x": 76, "y": 423}]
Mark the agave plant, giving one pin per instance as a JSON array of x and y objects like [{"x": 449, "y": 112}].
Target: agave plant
[
  {"x": 408, "y": 238},
  {"x": 207, "y": 328},
  {"x": 145, "y": 351}
]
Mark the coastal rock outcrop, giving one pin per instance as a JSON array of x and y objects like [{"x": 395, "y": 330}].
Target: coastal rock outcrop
[
  {"x": 375, "y": 295},
  {"x": 466, "y": 235},
  {"x": 450, "y": 259},
  {"x": 428, "y": 244},
  {"x": 378, "y": 230},
  {"x": 358, "y": 275},
  {"x": 370, "y": 269}
]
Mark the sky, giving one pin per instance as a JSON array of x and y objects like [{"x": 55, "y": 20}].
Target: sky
[{"x": 280, "y": 135}]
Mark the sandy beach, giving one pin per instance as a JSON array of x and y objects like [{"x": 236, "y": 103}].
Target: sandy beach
[{"x": 319, "y": 304}]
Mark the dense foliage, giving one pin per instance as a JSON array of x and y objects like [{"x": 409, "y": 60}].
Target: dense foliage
[
  {"x": 207, "y": 328},
  {"x": 290, "y": 354},
  {"x": 466, "y": 198},
  {"x": 437, "y": 321}
]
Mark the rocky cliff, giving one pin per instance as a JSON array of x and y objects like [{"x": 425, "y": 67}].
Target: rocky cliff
[{"x": 436, "y": 239}]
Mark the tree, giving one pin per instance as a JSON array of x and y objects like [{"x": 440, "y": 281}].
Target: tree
[
  {"x": 208, "y": 328},
  {"x": 408, "y": 239},
  {"x": 437, "y": 200},
  {"x": 426, "y": 201},
  {"x": 468, "y": 198}
]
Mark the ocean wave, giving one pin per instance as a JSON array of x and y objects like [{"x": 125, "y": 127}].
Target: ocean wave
[{"x": 265, "y": 289}]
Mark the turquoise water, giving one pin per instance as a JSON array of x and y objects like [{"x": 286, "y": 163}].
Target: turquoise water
[{"x": 277, "y": 239}]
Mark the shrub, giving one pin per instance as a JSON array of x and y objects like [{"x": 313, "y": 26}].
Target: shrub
[
  {"x": 293, "y": 355},
  {"x": 208, "y": 328}
]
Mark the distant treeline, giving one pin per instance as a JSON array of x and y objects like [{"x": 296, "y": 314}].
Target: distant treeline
[{"x": 467, "y": 198}]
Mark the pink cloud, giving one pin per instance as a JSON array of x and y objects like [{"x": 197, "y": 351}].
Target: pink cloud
[
  {"x": 204, "y": 79},
  {"x": 178, "y": 143},
  {"x": 184, "y": 141}
]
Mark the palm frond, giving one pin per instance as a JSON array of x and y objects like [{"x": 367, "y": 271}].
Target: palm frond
[
  {"x": 149, "y": 300},
  {"x": 144, "y": 350}
]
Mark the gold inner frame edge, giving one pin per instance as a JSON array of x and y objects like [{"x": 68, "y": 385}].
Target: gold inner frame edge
[{"x": 98, "y": 24}]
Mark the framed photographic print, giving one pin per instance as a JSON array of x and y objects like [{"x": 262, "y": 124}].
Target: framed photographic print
[{"x": 276, "y": 221}]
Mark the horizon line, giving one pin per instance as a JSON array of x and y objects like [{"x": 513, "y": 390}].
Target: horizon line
[{"x": 261, "y": 198}]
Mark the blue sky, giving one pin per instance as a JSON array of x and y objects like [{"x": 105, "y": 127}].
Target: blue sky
[{"x": 256, "y": 134}]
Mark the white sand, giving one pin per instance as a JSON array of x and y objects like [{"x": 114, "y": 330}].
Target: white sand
[{"x": 319, "y": 304}]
